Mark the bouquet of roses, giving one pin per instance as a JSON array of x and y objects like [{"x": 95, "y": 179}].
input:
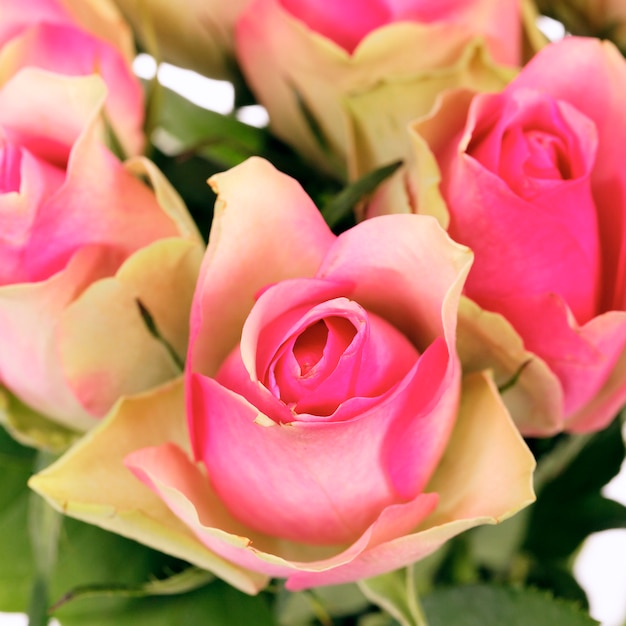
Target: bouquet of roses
[{"x": 371, "y": 373}]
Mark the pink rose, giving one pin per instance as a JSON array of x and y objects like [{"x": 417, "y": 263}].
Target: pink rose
[
  {"x": 303, "y": 58},
  {"x": 323, "y": 395},
  {"x": 83, "y": 240},
  {"x": 77, "y": 38},
  {"x": 349, "y": 23},
  {"x": 534, "y": 184}
]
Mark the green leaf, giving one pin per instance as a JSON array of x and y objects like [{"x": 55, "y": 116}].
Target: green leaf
[
  {"x": 395, "y": 592},
  {"x": 17, "y": 569},
  {"x": 31, "y": 428},
  {"x": 343, "y": 204},
  {"x": 570, "y": 506},
  {"x": 44, "y": 524},
  {"x": 558, "y": 580},
  {"x": 96, "y": 560},
  {"x": 189, "y": 579},
  {"x": 324, "y": 603},
  {"x": 182, "y": 127},
  {"x": 484, "y": 605},
  {"x": 217, "y": 604}
]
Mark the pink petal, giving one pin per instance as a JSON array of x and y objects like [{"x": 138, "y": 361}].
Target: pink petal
[
  {"x": 331, "y": 470},
  {"x": 168, "y": 472},
  {"x": 583, "y": 357},
  {"x": 101, "y": 202},
  {"x": 405, "y": 269},
  {"x": 66, "y": 49},
  {"x": 29, "y": 314},
  {"x": 551, "y": 251},
  {"x": 591, "y": 75},
  {"x": 370, "y": 366},
  {"x": 46, "y": 114},
  {"x": 498, "y": 485},
  {"x": 260, "y": 214},
  {"x": 345, "y": 23}
]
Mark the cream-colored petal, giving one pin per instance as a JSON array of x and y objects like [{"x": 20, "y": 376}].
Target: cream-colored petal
[
  {"x": 375, "y": 140},
  {"x": 197, "y": 35},
  {"x": 102, "y": 18},
  {"x": 265, "y": 229},
  {"x": 91, "y": 483},
  {"x": 106, "y": 349},
  {"x": 29, "y": 314},
  {"x": 105, "y": 346},
  {"x": 530, "y": 390},
  {"x": 487, "y": 469},
  {"x": 428, "y": 135},
  {"x": 163, "y": 276}
]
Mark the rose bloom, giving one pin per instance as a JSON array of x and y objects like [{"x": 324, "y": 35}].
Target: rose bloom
[
  {"x": 195, "y": 34},
  {"x": 329, "y": 437},
  {"x": 77, "y": 38},
  {"x": 83, "y": 242},
  {"x": 533, "y": 182},
  {"x": 304, "y": 58}
]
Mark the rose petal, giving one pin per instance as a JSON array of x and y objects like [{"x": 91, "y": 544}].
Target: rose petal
[
  {"x": 48, "y": 120},
  {"x": 121, "y": 211},
  {"x": 270, "y": 218},
  {"x": 531, "y": 391},
  {"x": 66, "y": 49},
  {"x": 106, "y": 494},
  {"x": 606, "y": 332},
  {"x": 405, "y": 269},
  {"x": 29, "y": 314},
  {"x": 500, "y": 484},
  {"x": 375, "y": 140},
  {"x": 187, "y": 492},
  {"x": 555, "y": 247},
  {"x": 346, "y": 24},
  {"x": 329, "y": 469},
  {"x": 557, "y": 71},
  {"x": 583, "y": 357},
  {"x": 123, "y": 356},
  {"x": 286, "y": 309}
]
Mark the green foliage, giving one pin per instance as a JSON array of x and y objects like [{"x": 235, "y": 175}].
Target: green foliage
[
  {"x": 484, "y": 605},
  {"x": 396, "y": 593},
  {"x": 217, "y": 604},
  {"x": 324, "y": 605},
  {"x": 121, "y": 571},
  {"x": 181, "y": 127},
  {"x": 31, "y": 428},
  {"x": 571, "y": 506},
  {"x": 116, "y": 567},
  {"x": 17, "y": 568},
  {"x": 341, "y": 207}
]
